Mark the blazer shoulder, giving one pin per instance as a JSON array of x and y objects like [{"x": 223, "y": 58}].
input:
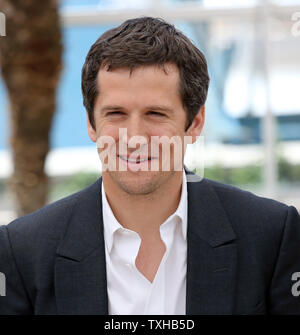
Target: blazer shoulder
[
  {"x": 247, "y": 209},
  {"x": 234, "y": 195},
  {"x": 52, "y": 219},
  {"x": 259, "y": 223}
]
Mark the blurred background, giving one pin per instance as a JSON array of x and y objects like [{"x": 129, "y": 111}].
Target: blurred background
[{"x": 252, "y": 131}]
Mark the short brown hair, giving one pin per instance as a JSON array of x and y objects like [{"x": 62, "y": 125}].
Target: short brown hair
[{"x": 147, "y": 41}]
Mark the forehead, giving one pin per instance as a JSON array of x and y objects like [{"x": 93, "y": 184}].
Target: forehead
[{"x": 151, "y": 79}]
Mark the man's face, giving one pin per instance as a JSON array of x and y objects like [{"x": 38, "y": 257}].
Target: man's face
[{"x": 146, "y": 103}]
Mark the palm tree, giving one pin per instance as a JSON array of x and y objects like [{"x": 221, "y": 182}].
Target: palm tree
[{"x": 31, "y": 61}]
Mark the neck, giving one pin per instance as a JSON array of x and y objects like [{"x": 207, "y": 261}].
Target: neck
[{"x": 144, "y": 213}]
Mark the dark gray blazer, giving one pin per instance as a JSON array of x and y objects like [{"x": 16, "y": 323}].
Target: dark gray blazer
[{"x": 242, "y": 252}]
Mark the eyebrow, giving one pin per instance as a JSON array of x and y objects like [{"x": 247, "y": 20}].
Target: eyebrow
[
  {"x": 110, "y": 108},
  {"x": 151, "y": 107}
]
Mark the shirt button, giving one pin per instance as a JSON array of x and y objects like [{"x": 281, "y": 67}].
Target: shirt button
[{"x": 129, "y": 265}]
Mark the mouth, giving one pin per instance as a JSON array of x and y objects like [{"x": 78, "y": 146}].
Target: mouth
[{"x": 135, "y": 160}]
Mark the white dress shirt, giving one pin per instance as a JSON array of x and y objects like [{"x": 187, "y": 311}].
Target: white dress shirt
[{"x": 129, "y": 291}]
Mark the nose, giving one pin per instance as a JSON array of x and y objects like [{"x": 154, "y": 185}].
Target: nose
[{"x": 136, "y": 130}]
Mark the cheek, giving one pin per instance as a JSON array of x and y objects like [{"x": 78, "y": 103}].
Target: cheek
[
  {"x": 170, "y": 132},
  {"x": 107, "y": 130},
  {"x": 166, "y": 129},
  {"x": 107, "y": 137},
  {"x": 169, "y": 137}
]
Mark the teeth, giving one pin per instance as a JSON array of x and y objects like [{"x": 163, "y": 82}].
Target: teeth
[{"x": 133, "y": 160}]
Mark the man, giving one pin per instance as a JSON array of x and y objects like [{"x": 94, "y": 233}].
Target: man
[{"x": 142, "y": 240}]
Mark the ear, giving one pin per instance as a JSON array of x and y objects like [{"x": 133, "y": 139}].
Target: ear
[
  {"x": 91, "y": 131},
  {"x": 196, "y": 127}
]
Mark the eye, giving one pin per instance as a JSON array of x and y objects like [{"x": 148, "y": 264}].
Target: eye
[
  {"x": 156, "y": 113},
  {"x": 114, "y": 113}
]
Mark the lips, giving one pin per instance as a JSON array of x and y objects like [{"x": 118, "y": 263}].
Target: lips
[{"x": 135, "y": 159}]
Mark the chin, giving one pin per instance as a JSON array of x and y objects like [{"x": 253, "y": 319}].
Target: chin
[{"x": 139, "y": 183}]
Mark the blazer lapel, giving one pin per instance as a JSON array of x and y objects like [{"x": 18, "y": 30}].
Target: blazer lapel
[
  {"x": 211, "y": 253},
  {"x": 80, "y": 269}
]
